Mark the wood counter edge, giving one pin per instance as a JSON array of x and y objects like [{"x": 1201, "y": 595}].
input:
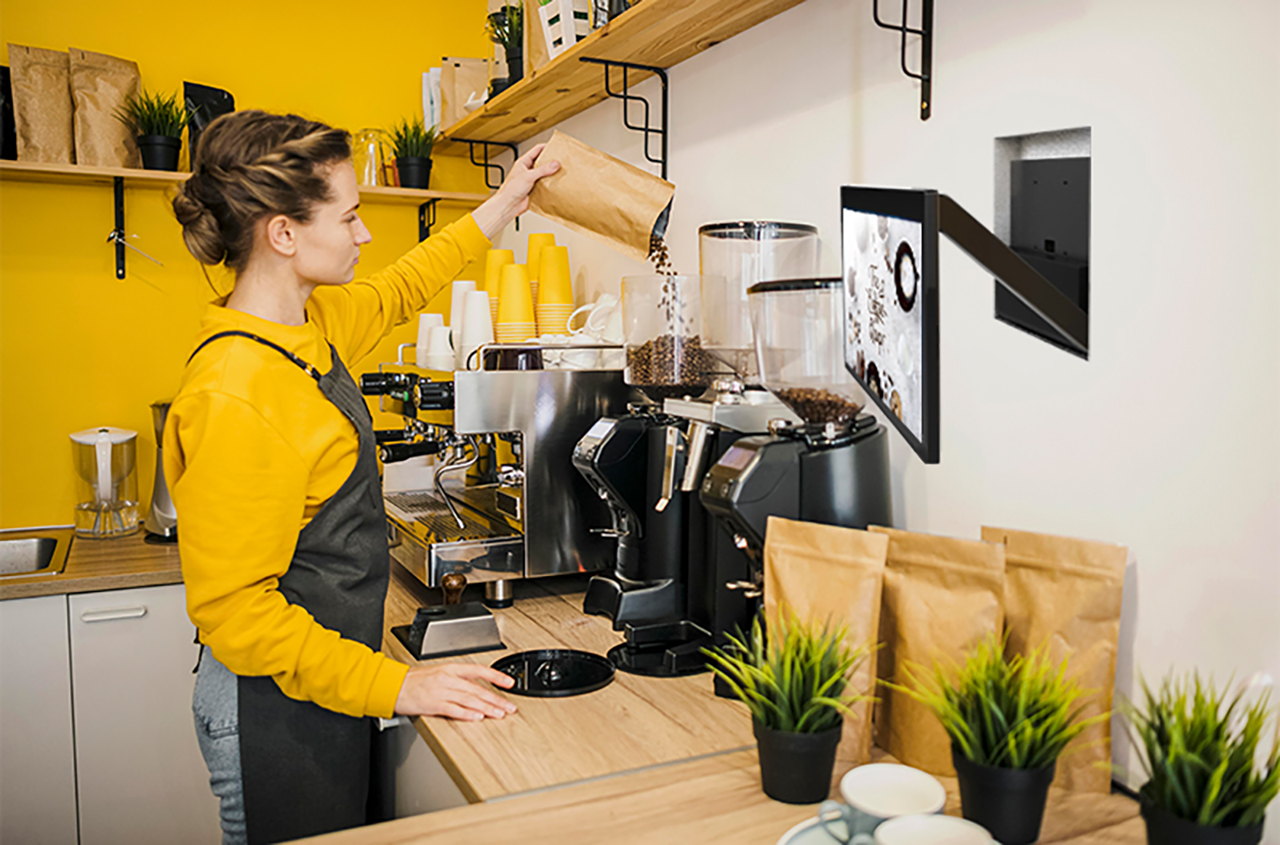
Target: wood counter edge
[{"x": 95, "y": 565}]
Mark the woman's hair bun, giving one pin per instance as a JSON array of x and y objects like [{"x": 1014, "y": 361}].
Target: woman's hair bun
[{"x": 200, "y": 230}]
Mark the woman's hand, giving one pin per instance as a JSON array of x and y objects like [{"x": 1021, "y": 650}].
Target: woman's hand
[
  {"x": 451, "y": 690},
  {"x": 512, "y": 199}
]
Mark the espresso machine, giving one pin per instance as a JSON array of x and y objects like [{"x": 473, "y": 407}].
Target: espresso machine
[
  {"x": 831, "y": 467},
  {"x": 505, "y": 501}
]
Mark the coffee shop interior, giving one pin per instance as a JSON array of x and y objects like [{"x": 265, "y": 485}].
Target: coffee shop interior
[{"x": 823, "y": 403}]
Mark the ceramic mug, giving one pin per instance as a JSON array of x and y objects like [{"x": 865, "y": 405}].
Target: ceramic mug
[
  {"x": 877, "y": 792},
  {"x": 603, "y": 322},
  {"x": 927, "y": 830}
]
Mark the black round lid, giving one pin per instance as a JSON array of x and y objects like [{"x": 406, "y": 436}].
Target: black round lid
[
  {"x": 757, "y": 230},
  {"x": 795, "y": 284},
  {"x": 555, "y": 672}
]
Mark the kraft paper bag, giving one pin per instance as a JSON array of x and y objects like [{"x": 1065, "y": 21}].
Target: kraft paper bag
[
  {"x": 824, "y": 572},
  {"x": 536, "y": 52},
  {"x": 460, "y": 80},
  {"x": 42, "y": 105},
  {"x": 100, "y": 86},
  {"x": 1067, "y": 593},
  {"x": 599, "y": 196},
  {"x": 942, "y": 597}
]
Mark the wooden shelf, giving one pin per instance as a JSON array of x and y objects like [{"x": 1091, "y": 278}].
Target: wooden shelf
[
  {"x": 29, "y": 171},
  {"x": 658, "y": 33}
]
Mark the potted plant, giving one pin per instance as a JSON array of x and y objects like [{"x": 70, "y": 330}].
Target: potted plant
[
  {"x": 1208, "y": 779},
  {"x": 412, "y": 143},
  {"x": 1009, "y": 719},
  {"x": 157, "y": 122},
  {"x": 506, "y": 27},
  {"x": 794, "y": 686}
]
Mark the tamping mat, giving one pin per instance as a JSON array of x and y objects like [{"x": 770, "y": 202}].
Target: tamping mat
[{"x": 556, "y": 672}]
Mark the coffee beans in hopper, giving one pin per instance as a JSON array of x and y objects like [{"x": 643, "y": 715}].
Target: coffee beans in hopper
[
  {"x": 669, "y": 360},
  {"x": 815, "y": 405}
]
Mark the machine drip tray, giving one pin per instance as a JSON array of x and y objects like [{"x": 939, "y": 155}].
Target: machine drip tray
[
  {"x": 555, "y": 672},
  {"x": 662, "y": 650}
]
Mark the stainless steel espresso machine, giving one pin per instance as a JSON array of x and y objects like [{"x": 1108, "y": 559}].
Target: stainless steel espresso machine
[{"x": 506, "y": 502}]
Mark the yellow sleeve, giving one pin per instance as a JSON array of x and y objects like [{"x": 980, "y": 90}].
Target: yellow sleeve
[
  {"x": 241, "y": 492},
  {"x": 355, "y": 317}
]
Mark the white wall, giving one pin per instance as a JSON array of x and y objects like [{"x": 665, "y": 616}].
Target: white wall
[{"x": 1166, "y": 439}]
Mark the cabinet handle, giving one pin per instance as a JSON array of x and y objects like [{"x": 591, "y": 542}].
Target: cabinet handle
[{"x": 113, "y": 615}]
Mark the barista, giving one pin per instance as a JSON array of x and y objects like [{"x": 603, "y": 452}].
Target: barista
[{"x": 269, "y": 453}]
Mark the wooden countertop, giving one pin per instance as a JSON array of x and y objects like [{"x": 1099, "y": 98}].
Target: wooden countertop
[
  {"x": 633, "y": 723},
  {"x": 94, "y": 565},
  {"x": 713, "y": 799}
]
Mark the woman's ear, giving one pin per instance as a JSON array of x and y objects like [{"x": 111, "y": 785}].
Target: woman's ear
[{"x": 278, "y": 234}]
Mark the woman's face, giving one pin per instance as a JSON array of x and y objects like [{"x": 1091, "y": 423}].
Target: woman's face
[{"x": 328, "y": 246}]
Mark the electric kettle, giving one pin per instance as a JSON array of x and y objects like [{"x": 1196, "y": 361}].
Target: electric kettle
[{"x": 106, "y": 463}]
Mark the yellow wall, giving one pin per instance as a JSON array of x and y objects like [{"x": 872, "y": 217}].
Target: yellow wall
[{"x": 79, "y": 348}]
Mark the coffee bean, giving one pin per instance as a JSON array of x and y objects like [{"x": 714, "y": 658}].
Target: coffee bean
[
  {"x": 815, "y": 405},
  {"x": 660, "y": 257},
  {"x": 669, "y": 360}
]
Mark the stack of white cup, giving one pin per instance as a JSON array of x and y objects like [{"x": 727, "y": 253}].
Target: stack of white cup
[{"x": 477, "y": 326}]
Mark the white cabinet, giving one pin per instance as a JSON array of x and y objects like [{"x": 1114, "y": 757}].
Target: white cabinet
[
  {"x": 37, "y": 756},
  {"x": 140, "y": 776}
]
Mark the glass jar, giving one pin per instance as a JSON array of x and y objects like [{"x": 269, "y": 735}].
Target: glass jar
[
  {"x": 367, "y": 154},
  {"x": 799, "y": 349}
]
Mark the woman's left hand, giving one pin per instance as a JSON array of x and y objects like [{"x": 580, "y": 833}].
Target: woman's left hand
[{"x": 512, "y": 199}]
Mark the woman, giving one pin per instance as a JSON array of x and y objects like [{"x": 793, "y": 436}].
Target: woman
[{"x": 269, "y": 454}]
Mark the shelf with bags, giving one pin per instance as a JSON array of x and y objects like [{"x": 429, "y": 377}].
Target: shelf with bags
[{"x": 658, "y": 33}]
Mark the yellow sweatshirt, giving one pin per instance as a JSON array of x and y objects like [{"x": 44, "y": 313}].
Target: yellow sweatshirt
[{"x": 253, "y": 449}]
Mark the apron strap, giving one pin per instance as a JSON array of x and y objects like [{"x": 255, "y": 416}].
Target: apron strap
[{"x": 306, "y": 368}]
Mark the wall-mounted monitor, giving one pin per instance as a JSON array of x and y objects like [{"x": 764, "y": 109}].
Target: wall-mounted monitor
[{"x": 890, "y": 252}]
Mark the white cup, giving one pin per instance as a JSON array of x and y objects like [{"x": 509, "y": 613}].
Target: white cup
[
  {"x": 603, "y": 321},
  {"x": 426, "y": 322},
  {"x": 457, "y": 304},
  {"x": 439, "y": 354},
  {"x": 875, "y": 793},
  {"x": 928, "y": 830},
  {"x": 477, "y": 326}
]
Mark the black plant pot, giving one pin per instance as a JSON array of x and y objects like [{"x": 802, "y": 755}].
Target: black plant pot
[
  {"x": 415, "y": 172},
  {"x": 1009, "y": 803},
  {"x": 159, "y": 152},
  {"x": 497, "y": 86},
  {"x": 515, "y": 66},
  {"x": 1164, "y": 828},
  {"x": 796, "y": 768}
]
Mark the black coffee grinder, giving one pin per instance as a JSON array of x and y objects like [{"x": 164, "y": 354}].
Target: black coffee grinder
[{"x": 831, "y": 468}]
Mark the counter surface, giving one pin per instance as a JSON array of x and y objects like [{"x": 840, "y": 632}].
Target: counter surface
[
  {"x": 714, "y": 799},
  {"x": 94, "y": 565},
  {"x": 633, "y": 723}
]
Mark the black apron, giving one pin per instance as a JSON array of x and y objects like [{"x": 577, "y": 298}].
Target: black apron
[{"x": 305, "y": 769}]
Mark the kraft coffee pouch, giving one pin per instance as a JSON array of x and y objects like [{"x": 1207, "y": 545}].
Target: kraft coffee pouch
[
  {"x": 824, "y": 572},
  {"x": 942, "y": 597},
  {"x": 205, "y": 104},
  {"x": 1067, "y": 593},
  {"x": 460, "y": 80},
  {"x": 100, "y": 87},
  {"x": 597, "y": 195},
  {"x": 42, "y": 106}
]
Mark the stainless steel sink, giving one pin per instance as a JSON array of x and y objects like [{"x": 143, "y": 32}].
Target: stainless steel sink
[{"x": 27, "y": 552}]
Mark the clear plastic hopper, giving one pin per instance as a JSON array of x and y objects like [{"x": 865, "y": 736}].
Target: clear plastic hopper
[
  {"x": 799, "y": 348},
  {"x": 735, "y": 256},
  {"x": 662, "y": 324}
]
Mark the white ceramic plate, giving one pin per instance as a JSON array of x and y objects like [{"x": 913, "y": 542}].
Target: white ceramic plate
[{"x": 809, "y": 832}]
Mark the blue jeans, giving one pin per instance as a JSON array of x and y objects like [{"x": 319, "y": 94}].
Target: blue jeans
[{"x": 215, "y": 705}]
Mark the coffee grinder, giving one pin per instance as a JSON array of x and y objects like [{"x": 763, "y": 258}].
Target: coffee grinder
[{"x": 833, "y": 466}]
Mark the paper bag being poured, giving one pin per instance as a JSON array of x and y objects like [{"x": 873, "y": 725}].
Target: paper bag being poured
[
  {"x": 1067, "y": 593},
  {"x": 597, "y": 195},
  {"x": 942, "y": 597},
  {"x": 824, "y": 572}
]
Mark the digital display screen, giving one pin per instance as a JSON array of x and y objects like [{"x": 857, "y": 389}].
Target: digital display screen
[
  {"x": 890, "y": 267},
  {"x": 735, "y": 457},
  {"x": 883, "y": 312}
]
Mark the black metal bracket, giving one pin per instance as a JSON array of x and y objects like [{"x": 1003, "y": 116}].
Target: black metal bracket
[
  {"x": 426, "y": 219},
  {"x": 486, "y": 163},
  {"x": 926, "y": 49},
  {"x": 628, "y": 98},
  {"x": 118, "y": 232}
]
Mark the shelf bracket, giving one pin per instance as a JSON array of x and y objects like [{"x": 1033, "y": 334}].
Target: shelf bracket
[
  {"x": 426, "y": 219},
  {"x": 627, "y": 98},
  {"x": 926, "y": 49},
  {"x": 486, "y": 163},
  {"x": 117, "y": 234}
]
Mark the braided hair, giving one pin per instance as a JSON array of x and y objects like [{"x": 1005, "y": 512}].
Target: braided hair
[{"x": 251, "y": 165}]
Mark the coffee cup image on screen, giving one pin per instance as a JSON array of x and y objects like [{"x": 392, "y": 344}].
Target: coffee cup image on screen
[{"x": 884, "y": 315}]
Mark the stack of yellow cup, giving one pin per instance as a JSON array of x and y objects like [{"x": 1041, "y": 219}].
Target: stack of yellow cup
[
  {"x": 537, "y": 242},
  {"x": 515, "y": 306},
  {"x": 555, "y": 294},
  {"x": 494, "y": 261}
]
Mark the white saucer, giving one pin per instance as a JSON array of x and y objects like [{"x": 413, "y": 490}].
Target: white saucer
[{"x": 810, "y": 832}]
